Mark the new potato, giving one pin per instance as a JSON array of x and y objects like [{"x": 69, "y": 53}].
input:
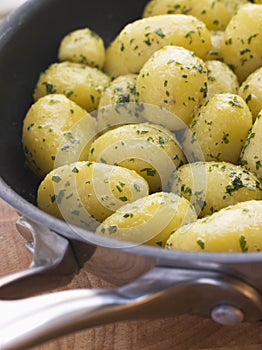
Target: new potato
[
  {"x": 149, "y": 220},
  {"x": 211, "y": 186},
  {"x": 220, "y": 128},
  {"x": 150, "y": 150},
  {"x": 83, "y": 46},
  {"x": 140, "y": 39},
  {"x": 85, "y": 193},
  {"x": 79, "y": 82},
  {"x": 237, "y": 228},
  {"x": 56, "y": 131},
  {"x": 173, "y": 78}
]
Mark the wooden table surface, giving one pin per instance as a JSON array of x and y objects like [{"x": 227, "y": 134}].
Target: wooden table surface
[{"x": 179, "y": 333}]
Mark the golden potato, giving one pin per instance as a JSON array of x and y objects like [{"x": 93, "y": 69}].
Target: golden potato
[
  {"x": 80, "y": 83},
  {"x": 211, "y": 186},
  {"x": 241, "y": 48},
  {"x": 85, "y": 193},
  {"x": 251, "y": 155},
  {"x": 56, "y": 131},
  {"x": 140, "y": 39},
  {"x": 237, "y": 228},
  {"x": 214, "y": 13},
  {"x": 120, "y": 90},
  {"x": 150, "y": 150},
  {"x": 220, "y": 79},
  {"x": 149, "y": 220},
  {"x": 251, "y": 92},
  {"x": 83, "y": 46},
  {"x": 220, "y": 128},
  {"x": 173, "y": 78}
]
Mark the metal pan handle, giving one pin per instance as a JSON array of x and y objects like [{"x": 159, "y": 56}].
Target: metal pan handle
[
  {"x": 53, "y": 263},
  {"x": 160, "y": 292}
]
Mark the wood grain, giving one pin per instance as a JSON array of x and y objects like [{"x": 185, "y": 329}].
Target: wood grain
[{"x": 179, "y": 333}]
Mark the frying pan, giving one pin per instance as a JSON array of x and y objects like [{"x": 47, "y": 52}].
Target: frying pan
[{"x": 150, "y": 282}]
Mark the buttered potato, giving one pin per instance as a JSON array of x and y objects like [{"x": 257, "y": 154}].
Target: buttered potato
[
  {"x": 220, "y": 79},
  {"x": 83, "y": 46},
  {"x": 150, "y": 150},
  {"x": 211, "y": 186},
  {"x": 251, "y": 155},
  {"x": 56, "y": 131},
  {"x": 241, "y": 48},
  {"x": 149, "y": 220},
  {"x": 214, "y": 13},
  {"x": 85, "y": 193},
  {"x": 173, "y": 78},
  {"x": 118, "y": 103},
  {"x": 220, "y": 128},
  {"x": 251, "y": 92},
  {"x": 80, "y": 83},
  {"x": 140, "y": 39},
  {"x": 237, "y": 228},
  {"x": 156, "y": 138}
]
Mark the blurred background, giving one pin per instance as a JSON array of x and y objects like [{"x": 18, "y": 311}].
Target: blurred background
[{"x": 7, "y": 6}]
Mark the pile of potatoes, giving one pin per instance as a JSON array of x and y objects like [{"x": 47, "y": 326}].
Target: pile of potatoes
[{"x": 157, "y": 138}]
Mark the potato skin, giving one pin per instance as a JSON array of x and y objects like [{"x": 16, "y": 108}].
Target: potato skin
[
  {"x": 149, "y": 149},
  {"x": 241, "y": 48},
  {"x": 173, "y": 78},
  {"x": 237, "y": 228},
  {"x": 220, "y": 128},
  {"x": 220, "y": 79},
  {"x": 149, "y": 220},
  {"x": 251, "y": 92},
  {"x": 211, "y": 186},
  {"x": 80, "y": 83},
  {"x": 85, "y": 193},
  {"x": 83, "y": 46},
  {"x": 51, "y": 126},
  {"x": 251, "y": 155},
  {"x": 140, "y": 39},
  {"x": 214, "y": 14}
]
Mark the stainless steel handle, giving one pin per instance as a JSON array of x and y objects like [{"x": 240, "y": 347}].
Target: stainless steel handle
[
  {"x": 53, "y": 263},
  {"x": 160, "y": 292}
]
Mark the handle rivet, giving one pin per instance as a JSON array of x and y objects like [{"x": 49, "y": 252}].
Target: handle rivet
[{"x": 227, "y": 315}]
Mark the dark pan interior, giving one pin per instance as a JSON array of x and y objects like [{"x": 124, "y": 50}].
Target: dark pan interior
[{"x": 28, "y": 44}]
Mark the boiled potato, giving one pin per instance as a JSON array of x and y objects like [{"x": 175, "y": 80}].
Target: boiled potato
[
  {"x": 56, "y": 131},
  {"x": 211, "y": 186},
  {"x": 251, "y": 155},
  {"x": 173, "y": 78},
  {"x": 140, "y": 39},
  {"x": 214, "y": 13},
  {"x": 83, "y": 46},
  {"x": 120, "y": 90},
  {"x": 241, "y": 48},
  {"x": 219, "y": 129},
  {"x": 237, "y": 228},
  {"x": 251, "y": 92},
  {"x": 118, "y": 105},
  {"x": 80, "y": 83},
  {"x": 85, "y": 193},
  {"x": 220, "y": 79},
  {"x": 214, "y": 52},
  {"x": 150, "y": 150},
  {"x": 149, "y": 220}
]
